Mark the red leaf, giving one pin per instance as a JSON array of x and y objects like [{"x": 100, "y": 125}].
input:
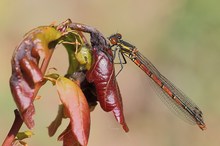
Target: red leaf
[
  {"x": 68, "y": 138},
  {"x": 30, "y": 71},
  {"x": 103, "y": 75},
  {"x": 76, "y": 108},
  {"x": 27, "y": 70}
]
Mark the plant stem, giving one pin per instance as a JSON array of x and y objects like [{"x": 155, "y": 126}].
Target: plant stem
[{"x": 14, "y": 129}]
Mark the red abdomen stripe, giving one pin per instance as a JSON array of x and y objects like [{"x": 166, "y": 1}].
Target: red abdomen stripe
[{"x": 153, "y": 77}]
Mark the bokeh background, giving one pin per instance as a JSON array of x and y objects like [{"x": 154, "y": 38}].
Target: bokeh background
[{"x": 180, "y": 37}]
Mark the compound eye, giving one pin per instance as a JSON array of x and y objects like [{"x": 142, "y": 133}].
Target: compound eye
[{"x": 118, "y": 35}]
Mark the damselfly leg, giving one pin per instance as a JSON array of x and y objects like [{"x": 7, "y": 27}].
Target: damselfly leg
[{"x": 116, "y": 52}]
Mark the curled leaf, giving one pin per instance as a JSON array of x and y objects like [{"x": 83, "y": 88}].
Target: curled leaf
[
  {"x": 29, "y": 63},
  {"x": 76, "y": 108},
  {"x": 103, "y": 75}
]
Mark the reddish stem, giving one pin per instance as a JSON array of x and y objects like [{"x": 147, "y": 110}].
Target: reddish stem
[
  {"x": 46, "y": 61},
  {"x": 14, "y": 129}
]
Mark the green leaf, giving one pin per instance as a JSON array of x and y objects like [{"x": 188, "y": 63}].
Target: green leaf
[
  {"x": 68, "y": 43},
  {"x": 23, "y": 135},
  {"x": 79, "y": 52}
]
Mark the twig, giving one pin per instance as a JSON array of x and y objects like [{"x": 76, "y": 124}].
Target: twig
[{"x": 14, "y": 129}]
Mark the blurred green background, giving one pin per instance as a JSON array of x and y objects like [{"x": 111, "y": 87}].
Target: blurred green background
[{"x": 181, "y": 38}]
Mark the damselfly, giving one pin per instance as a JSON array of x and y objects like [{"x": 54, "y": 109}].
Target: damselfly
[{"x": 174, "y": 98}]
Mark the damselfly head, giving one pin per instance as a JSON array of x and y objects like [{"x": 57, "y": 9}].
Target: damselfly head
[
  {"x": 115, "y": 38},
  {"x": 118, "y": 35}
]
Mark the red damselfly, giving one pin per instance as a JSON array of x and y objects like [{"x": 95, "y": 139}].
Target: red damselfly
[{"x": 172, "y": 96}]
